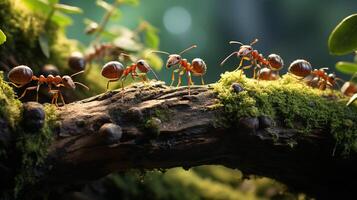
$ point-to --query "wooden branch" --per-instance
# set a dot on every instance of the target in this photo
(189, 134)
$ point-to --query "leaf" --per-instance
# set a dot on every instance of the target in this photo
(37, 6)
(61, 19)
(2, 37)
(127, 44)
(343, 39)
(346, 67)
(154, 60)
(68, 9)
(43, 40)
(129, 2)
(152, 38)
(352, 99)
(103, 4)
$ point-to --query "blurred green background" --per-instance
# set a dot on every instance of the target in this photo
(294, 29)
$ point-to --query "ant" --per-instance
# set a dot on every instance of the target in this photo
(246, 52)
(316, 78)
(22, 75)
(197, 68)
(115, 70)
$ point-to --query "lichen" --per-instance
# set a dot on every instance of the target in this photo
(33, 148)
(291, 102)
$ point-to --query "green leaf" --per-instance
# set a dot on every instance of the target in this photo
(68, 9)
(103, 4)
(129, 2)
(152, 38)
(343, 39)
(61, 19)
(2, 37)
(43, 40)
(37, 6)
(154, 60)
(346, 67)
(352, 99)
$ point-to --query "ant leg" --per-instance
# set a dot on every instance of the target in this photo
(37, 90)
(240, 64)
(13, 84)
(202, 81)
(28, 89)
(61, 96)
(113, 80)
(172, 78)
(189, 80)
(180, 78)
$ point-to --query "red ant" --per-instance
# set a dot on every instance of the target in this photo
(22, 75)
(115, 70)
(316, 78)
(197, 68)
(246, 52)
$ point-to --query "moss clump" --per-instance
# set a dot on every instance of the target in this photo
(33, 148)
(23, 28)
(289, 101)
(152, 127)
(10, 108)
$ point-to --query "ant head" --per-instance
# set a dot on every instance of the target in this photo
(173, 60)
(68, 82)
(244, 51)
(143, 66)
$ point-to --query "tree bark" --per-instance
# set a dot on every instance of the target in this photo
(189, 135)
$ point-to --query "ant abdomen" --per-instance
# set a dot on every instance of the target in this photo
(20, 75)
(112, 70)
(300, 68)
(275, 62)
(199, 67)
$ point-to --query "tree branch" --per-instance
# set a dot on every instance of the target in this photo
(189, 135)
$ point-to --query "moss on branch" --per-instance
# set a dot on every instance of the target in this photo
(291, 102)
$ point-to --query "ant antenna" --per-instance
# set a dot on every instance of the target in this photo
(230, 55)
(81, 84)
(162, 52)
(189, 48)
(236, 42)
(157, 78)
(75, 74)
(254, 41)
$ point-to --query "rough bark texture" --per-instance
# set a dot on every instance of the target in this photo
(189, 135)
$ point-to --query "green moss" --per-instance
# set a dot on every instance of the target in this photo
(290, 101)
(33, 148)
(152, 127)
(22, 28)
(10, 108)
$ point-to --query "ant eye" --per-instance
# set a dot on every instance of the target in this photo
(178, 57)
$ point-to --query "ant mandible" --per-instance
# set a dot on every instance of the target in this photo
(197, 68)
(21, 75)
(246, 52)
(316, 78)
(115, 71)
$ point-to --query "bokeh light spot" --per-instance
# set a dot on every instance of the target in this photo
(177, 20)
